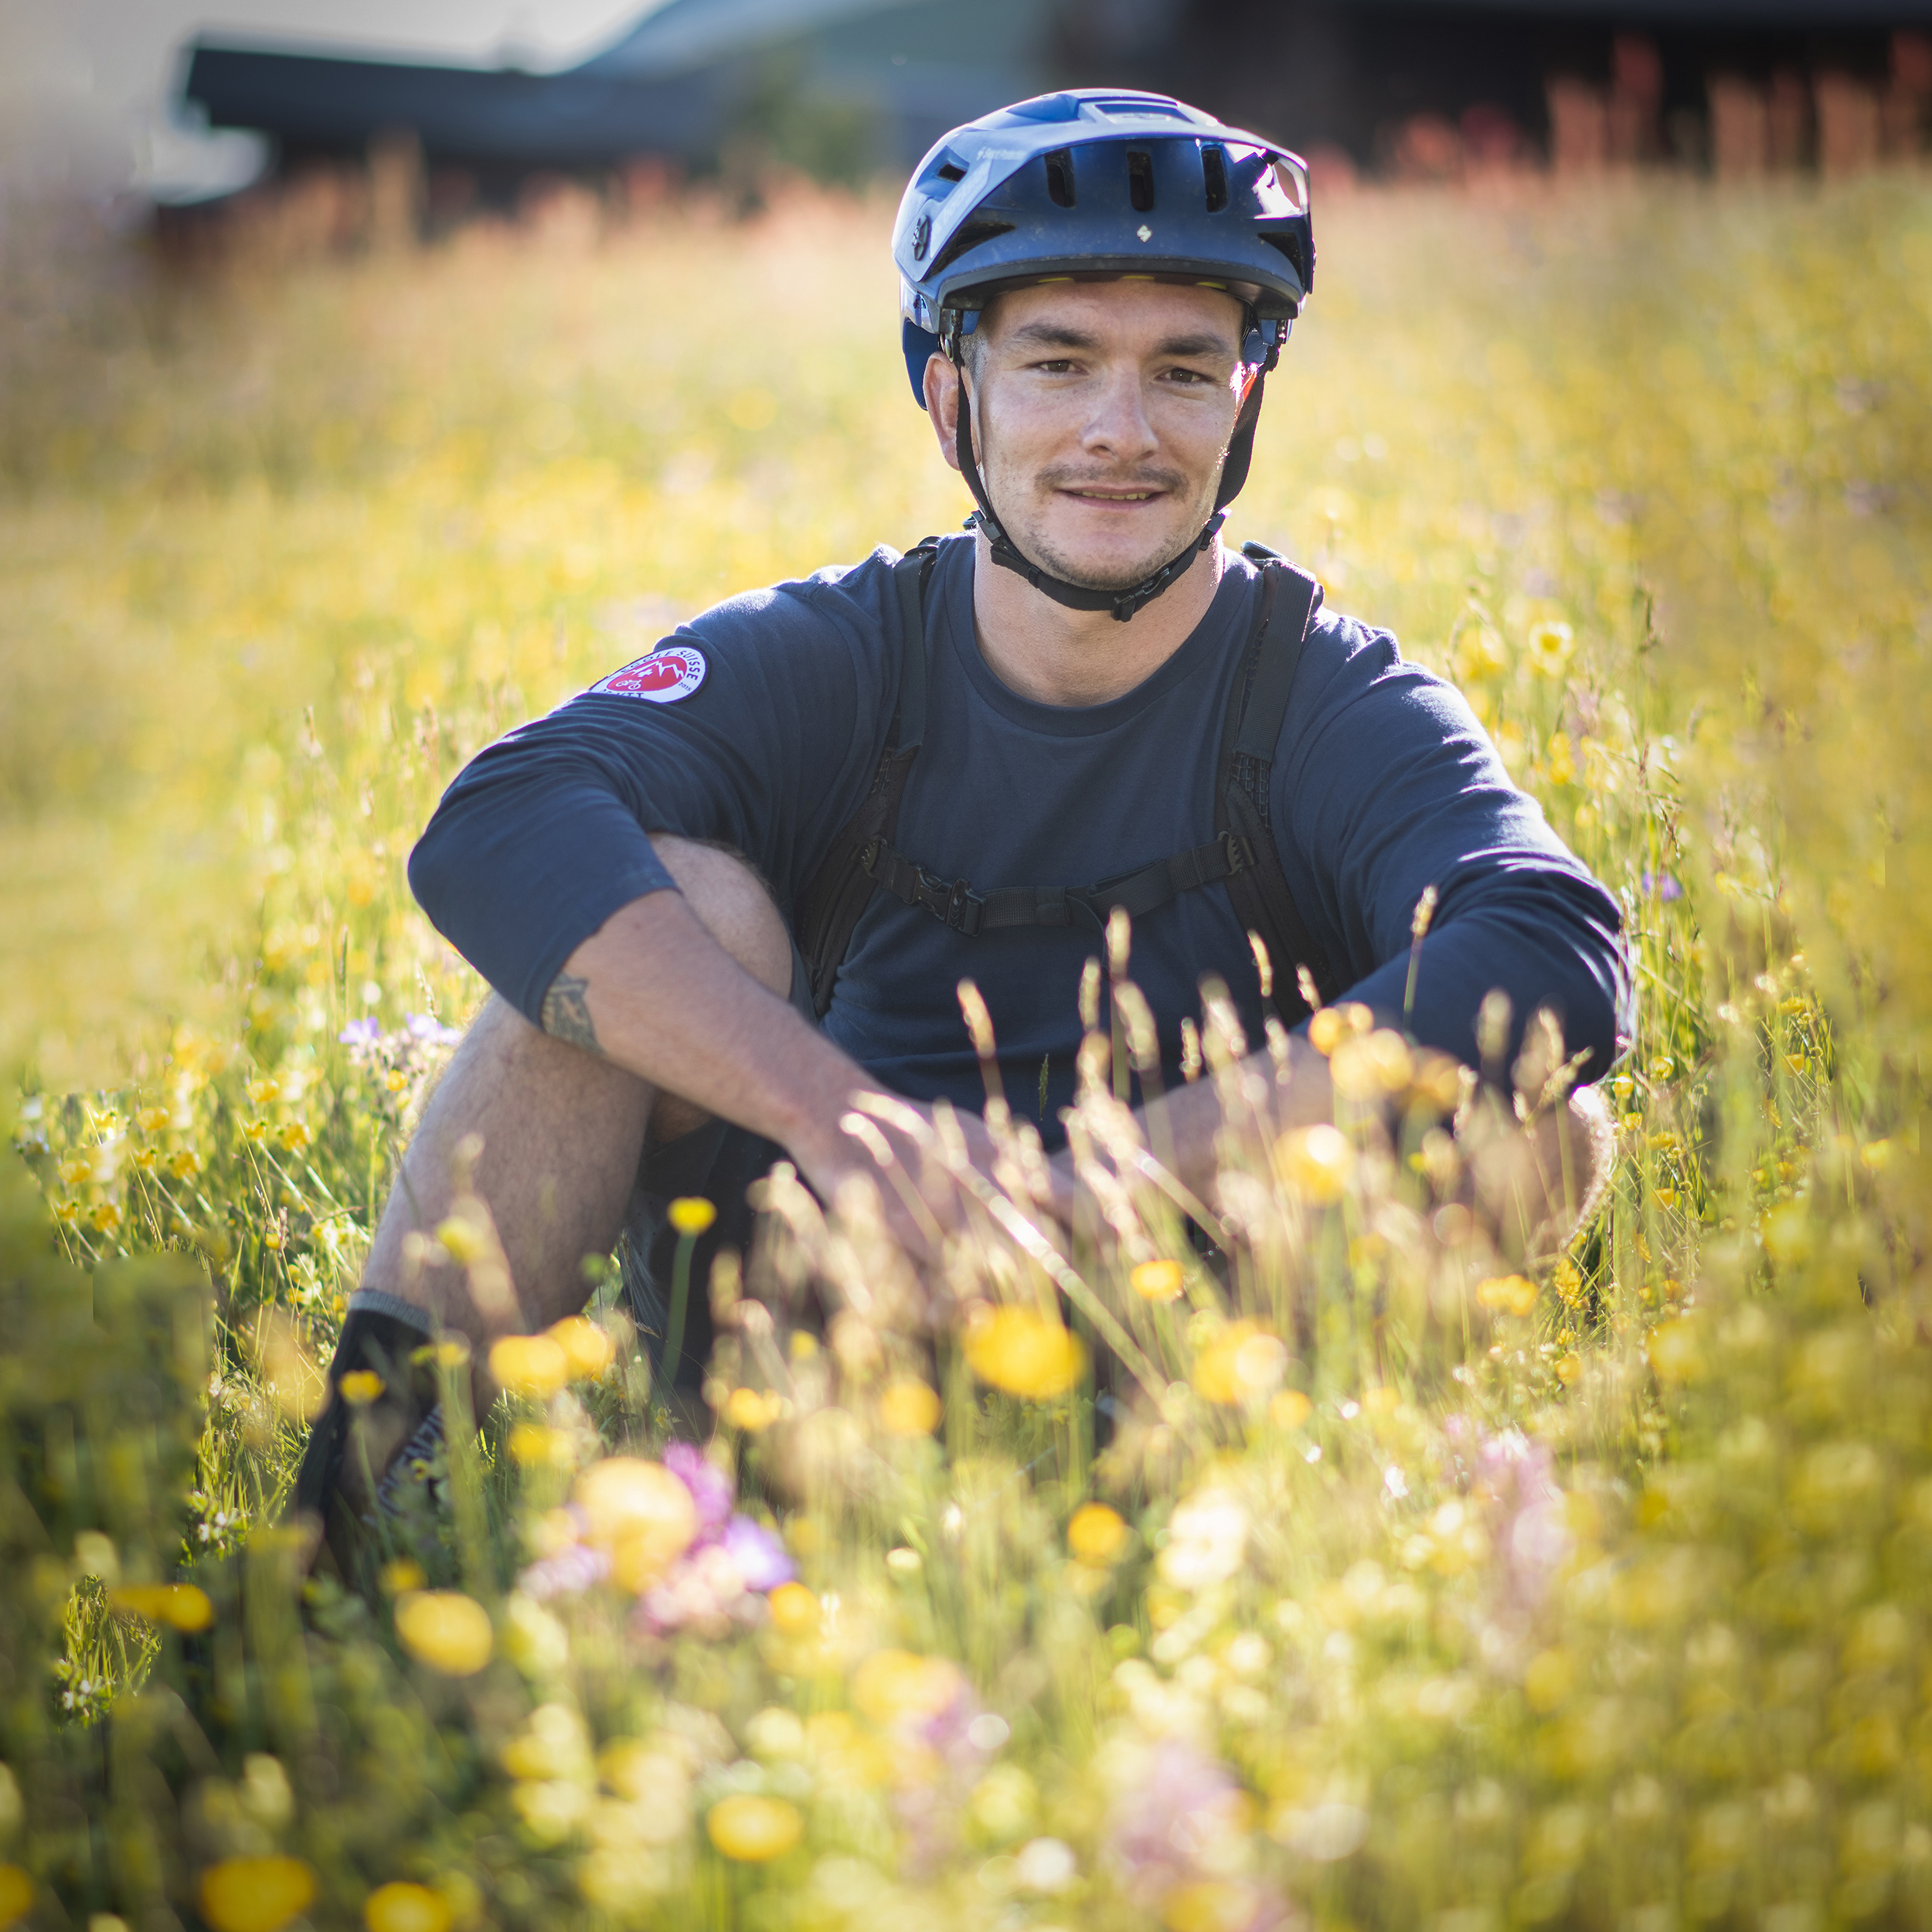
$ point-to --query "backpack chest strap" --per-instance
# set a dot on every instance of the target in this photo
(955, 904)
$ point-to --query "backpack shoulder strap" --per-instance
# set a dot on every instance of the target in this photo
(1257, 704)
(829, 907)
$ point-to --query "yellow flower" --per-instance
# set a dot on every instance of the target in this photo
(179, 1606)
(263, 1090)
(1290, 1409)
(395, 1079)
(255, 1895)
(77, 1171)
(893, 1684)
(1157, 1280)
(16, 1894)
(1316, 1161)
(907, 1407)
(1372, 1064)
(446, 1631)
(531, 1446)
(1667, 1197)
(1025, 1354)
(295, 1136)
(638, 1513)
(1675, 1352)
(361, 1386)
(587, 1348)
(1239, 1363)
(794, 1610)
(1330, 1027)
(462, 1240)
(1211, 1905)
(145, 1160)
(753, 1829)
(400, 1906)
(401, 1576)
(106, 1215)
(1096, 1534)
(151, 1119)
(691, 1216)
(1550, 644)
(529, 1364)
(184, 1163)
(753, 1410)
(1560, 764)
(1509, 1293)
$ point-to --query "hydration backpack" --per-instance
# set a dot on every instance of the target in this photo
(1241, 856)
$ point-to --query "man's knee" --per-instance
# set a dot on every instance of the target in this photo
(734, 904)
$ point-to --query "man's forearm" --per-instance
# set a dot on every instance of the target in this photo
(1185, 1127)
(655, 992)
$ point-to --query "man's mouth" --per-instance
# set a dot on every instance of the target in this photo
(1115, 496)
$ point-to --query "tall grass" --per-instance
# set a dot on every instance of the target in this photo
(1403, 1588)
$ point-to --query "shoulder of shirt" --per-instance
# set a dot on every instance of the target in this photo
(1343, 658)
(843, 594)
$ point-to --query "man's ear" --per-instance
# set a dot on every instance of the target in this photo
(942, 405)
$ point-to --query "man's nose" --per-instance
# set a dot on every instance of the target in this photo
(1119, 425)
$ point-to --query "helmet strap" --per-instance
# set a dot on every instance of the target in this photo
(1124, 604)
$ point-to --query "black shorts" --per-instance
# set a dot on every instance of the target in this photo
(716, 1162)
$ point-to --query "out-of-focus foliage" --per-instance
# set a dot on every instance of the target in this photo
(1398, 1586)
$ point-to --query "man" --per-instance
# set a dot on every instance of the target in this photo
(736, 885)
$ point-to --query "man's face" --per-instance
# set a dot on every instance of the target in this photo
(1102, 416)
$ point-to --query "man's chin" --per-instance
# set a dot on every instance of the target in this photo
(1095, 568)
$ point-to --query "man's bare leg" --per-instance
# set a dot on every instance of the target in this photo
(548, 1135)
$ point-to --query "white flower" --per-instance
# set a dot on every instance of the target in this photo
(1206, 1538)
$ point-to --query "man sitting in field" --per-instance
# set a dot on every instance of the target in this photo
(734, 885)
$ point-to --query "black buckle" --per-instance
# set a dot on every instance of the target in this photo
(953, 901)
(1240, 856)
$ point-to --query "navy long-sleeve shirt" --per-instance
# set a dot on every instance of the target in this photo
(761, 723)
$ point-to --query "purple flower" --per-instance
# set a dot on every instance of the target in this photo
(362, 1033)
(1660, 885)
(710, 1489)
(1532, 1536)
(1160, 1828)
(569, 1573)
(431, 1032)
(759, 1557)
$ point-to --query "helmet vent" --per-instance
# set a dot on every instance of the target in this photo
(951, 170)
(1140, 179)
(1214, 170)
(1060, 177)
(969, 237)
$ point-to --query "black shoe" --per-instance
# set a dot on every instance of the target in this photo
(373, 1467)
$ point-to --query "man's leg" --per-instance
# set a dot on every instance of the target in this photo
(549, 1136)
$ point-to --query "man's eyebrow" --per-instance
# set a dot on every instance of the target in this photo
(1059, 336)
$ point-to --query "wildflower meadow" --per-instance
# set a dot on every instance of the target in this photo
(1386, 1578)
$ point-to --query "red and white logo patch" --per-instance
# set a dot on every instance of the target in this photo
(663, 678)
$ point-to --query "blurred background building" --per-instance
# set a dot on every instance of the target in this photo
(850, 91)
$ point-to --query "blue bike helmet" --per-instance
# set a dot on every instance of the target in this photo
(1100, 184)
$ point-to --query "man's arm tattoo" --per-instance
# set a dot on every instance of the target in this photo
(566, 1014)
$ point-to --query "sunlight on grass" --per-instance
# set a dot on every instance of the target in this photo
(1406, 1583)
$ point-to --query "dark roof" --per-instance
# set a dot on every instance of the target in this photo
(330, 102)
